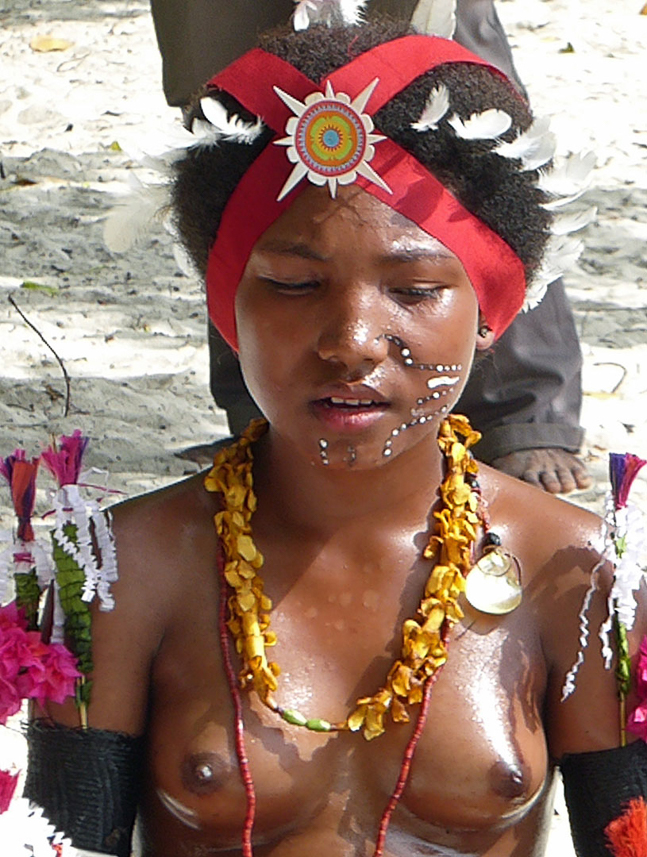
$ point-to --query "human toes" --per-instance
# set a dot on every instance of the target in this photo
(553, 470)
(557, 480)
(582, 476)
(570, 472)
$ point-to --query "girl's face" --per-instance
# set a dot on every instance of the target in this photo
(356, 329)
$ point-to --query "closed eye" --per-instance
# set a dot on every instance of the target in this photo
(286, 287)
(411, 295)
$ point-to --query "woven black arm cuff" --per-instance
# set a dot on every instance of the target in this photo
(88, 781)
(597, 787)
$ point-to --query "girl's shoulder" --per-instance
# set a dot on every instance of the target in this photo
(567, 580)
(545, 529)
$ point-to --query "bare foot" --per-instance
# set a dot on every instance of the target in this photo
(555, 470)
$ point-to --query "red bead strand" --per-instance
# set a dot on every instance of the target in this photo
(407, 758)
(239, 724)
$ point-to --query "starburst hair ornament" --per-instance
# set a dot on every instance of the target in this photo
(337, 151)
(329, 139)
(625, 537)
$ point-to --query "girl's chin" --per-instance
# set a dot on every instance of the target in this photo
(353, 454)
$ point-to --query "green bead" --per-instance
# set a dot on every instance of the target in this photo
(294, 717)
(318, 725)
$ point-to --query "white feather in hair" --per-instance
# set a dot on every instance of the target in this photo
(130, 220)
(570, 178)
(533, 147)
(435, 108)
(562, 201)
(328, 12)
(226, 127)
(567, 223)
(435, 18)
(561, 254)
(487, 125)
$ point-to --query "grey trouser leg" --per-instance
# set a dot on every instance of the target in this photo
(525, 395)
(198, 38)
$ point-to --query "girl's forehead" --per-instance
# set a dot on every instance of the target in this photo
(353, 214)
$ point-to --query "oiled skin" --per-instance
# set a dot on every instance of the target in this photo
(343, 547)
(477, 780)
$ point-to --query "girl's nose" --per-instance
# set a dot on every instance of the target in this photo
(352, 333)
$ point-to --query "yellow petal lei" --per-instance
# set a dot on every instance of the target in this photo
(424, 648)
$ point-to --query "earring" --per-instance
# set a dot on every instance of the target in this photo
(484, 330)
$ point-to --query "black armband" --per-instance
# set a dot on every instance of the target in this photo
(88, 782)
(597, 788)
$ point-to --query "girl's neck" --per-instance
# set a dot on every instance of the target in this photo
(314, 497)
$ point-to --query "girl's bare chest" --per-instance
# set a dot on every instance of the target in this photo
(480, 762)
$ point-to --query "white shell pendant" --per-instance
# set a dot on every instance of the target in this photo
(494, 583)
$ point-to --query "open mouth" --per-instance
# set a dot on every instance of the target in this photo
(351, 405)
(347, 413)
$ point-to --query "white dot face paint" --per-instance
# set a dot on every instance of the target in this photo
(442, 381)
(323, 451)
(440, 384)
(321, 288)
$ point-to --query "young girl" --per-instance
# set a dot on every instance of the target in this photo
(366, 654)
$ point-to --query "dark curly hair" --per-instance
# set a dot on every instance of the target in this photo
(491, 187)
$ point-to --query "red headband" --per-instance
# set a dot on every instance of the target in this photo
(495, 271)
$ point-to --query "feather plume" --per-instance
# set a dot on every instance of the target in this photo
(487, 125)
(574, 221)
(228, 127)
(307, 12)
(131, 220)
(435, 108)
(627, 835)
(562, 201)
(533, 147)
(561, 253)
(571, 176)
(435, 18)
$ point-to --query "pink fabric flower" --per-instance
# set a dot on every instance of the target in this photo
(13, 641)
(10, 700)
(29, 668)
(21, 476)
(8, 783)
(57, 678)
(637, 720)
(65, 463)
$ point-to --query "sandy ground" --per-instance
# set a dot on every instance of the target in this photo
(130, 329)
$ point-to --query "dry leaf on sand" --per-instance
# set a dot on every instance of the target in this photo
(49, 43)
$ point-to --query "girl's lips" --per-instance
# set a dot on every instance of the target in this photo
(343, 414)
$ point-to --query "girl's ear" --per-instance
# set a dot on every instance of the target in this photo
(484, 336)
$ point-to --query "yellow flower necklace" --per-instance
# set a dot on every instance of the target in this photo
(424, 647)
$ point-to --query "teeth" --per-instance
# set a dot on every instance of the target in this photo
(352, 402)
